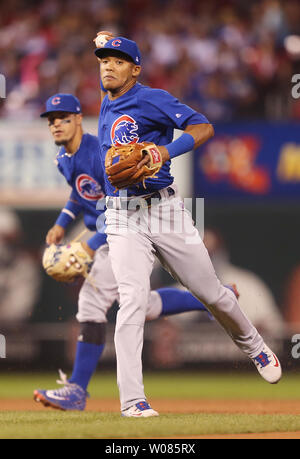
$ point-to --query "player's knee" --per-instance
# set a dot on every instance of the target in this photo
(90, 310)
(134, 298)
(224, 302)
(132, 307)
(92, 333)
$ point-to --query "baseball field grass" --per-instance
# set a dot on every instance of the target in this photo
(191, 405)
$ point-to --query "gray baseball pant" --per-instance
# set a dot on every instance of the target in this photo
(99, 294)
(165, 229)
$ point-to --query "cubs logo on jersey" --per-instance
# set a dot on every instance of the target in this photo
(124, 131)
(88, 188)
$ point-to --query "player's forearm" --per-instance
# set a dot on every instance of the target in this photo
(96, 241)
(200, 133)
(108, 36)
(193, 136)
(69, 213)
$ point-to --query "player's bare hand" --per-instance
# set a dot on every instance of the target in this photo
(164, 154)
(106, 34)
(87, 248)
(55, 235)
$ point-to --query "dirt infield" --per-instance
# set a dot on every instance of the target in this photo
(252, 436)
(291, 407)
(181, 406)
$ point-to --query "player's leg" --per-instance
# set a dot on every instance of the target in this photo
(94, 301)
(90, 346)
(132, 260)
(170, 301)
(95, 298)
(185, 256)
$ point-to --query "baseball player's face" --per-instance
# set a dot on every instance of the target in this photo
(63, 126)
(117, 73)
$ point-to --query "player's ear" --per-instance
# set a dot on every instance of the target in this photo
(136, 71)
(79, 119)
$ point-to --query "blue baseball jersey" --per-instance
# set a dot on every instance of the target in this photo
(84, 173)
(143, 114)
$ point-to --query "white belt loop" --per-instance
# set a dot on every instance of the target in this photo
(117, 203)
(166, 193)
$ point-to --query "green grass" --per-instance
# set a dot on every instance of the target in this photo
(166, 385)
(53, 424)
(93, 425)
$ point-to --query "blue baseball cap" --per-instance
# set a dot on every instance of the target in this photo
(124, 46)
(62, 103)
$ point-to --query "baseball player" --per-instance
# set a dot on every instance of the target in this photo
(79, 161)
(144, 118)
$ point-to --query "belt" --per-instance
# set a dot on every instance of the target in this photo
(141, 202)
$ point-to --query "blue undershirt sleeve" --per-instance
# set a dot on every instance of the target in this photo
(97, 240)
(69, 213)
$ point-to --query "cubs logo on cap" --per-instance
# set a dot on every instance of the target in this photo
(117, 42)
(62, 103)
(55, 100)
(123, 45)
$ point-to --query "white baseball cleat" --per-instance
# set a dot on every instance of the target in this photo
(268, 365)
(140, 410)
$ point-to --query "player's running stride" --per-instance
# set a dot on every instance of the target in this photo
(130, 114)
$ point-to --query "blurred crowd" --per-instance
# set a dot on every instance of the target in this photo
(229, 59)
